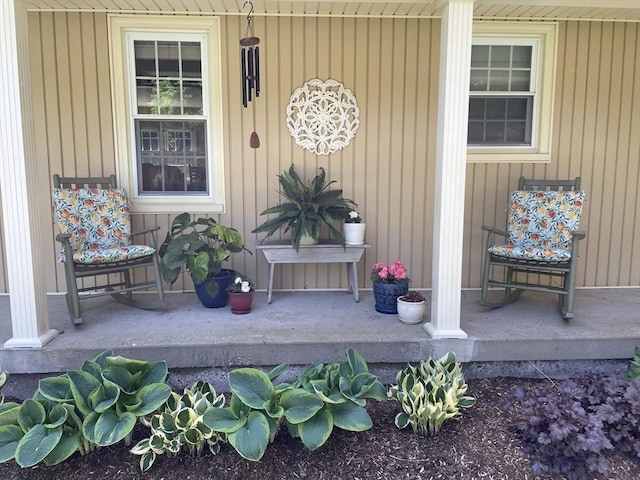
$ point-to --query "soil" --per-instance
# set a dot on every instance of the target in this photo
(483, 444)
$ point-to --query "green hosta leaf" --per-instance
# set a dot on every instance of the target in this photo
(68, 444)
(402, 420)
(252, 386)
(356, 362)
(151, 398)
(10, 436)
(31, 413)
(316, 431)
(223, 420)
(466, 402)
(168, 423)
(37, 444)
(94, 368)
(56, 389)
(147, 461)
(143, 446)
(300, 405)
(154, 372)
(9, 413)
(350, 416)
(108, 428)
(277, 371)
(57, 416)
(252, 439)
(83, 384)
(104, 397)
(119, 376)
(193, 436)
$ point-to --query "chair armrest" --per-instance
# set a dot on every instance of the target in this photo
(579, 235)
(494, 230)
(151, 235)
(64, 239)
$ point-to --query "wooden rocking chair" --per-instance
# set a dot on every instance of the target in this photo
(541, 244)
(95, 232)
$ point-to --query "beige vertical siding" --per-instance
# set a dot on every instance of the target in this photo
(389, 168)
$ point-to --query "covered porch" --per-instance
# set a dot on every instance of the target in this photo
(316, 326)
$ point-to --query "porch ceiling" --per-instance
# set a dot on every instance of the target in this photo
(618, 10)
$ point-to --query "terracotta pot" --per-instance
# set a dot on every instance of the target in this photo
(240, 303)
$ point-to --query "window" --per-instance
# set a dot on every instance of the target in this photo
(511, 92)
(167, 105)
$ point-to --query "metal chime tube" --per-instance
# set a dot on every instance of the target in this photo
(244, 76)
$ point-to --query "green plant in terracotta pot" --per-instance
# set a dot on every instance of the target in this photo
(241, 294)
(307, 207)
(201, 246)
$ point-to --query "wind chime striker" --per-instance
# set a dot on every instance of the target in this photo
(250, 64)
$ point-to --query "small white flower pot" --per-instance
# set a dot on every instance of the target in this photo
(354, 233)
(411, 312)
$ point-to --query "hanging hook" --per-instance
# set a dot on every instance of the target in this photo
(250, 14)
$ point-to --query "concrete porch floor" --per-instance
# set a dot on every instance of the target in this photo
(312, 326)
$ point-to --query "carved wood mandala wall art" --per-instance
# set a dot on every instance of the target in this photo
(323, 117)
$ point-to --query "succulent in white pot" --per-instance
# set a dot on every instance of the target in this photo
(411, 307)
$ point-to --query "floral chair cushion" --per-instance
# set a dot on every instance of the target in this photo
(540, 225)
(99, 223)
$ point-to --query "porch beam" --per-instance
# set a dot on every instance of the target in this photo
(451, 152)
(22, 236)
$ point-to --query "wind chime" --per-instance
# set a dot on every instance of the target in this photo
(250, 64)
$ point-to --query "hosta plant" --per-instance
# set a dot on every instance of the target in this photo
(323, 397)
(179, 426)
(257, 408)
(4, 376)
(633, 370)
(95, 406)
(344, 389)
(430, 393)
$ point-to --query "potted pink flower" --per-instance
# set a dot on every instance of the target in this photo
(389, 283)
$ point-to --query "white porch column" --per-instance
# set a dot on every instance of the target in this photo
(29, 317)
(453, 111)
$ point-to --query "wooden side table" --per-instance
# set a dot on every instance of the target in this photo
(324, 252)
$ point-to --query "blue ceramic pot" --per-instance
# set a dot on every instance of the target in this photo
(386, 295)
(212, 293)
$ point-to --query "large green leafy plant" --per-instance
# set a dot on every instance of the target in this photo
(96, 406)
(201, 246)
(430, 394)
(322, 398)
(307, 207)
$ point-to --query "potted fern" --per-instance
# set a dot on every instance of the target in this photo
(306, 207)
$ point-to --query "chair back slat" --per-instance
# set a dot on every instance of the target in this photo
(84, 182)
(548, 185)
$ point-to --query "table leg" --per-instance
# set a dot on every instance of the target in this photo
(353, 280)
(270, 287)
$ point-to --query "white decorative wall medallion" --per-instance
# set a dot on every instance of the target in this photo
(323, 117)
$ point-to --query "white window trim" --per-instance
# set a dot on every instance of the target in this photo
(119, 26)
(545, 71)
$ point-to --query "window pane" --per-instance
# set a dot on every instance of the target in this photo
(515, 132)
(476, 133)
(494, 133)
(517, 108)
(499, 81)
(476, 108)
(168, 59)
(479, 80)
(191, 66)
(495, 108)
(171, 156)
(520, 80)
(500, 56)
(145, 58)
(521, 57)
(480, 56)
(165, 98)
(192, 98)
